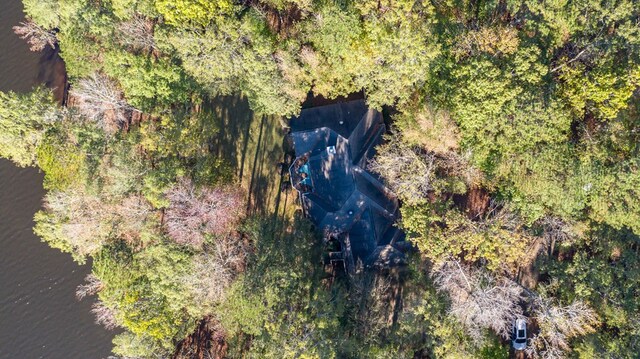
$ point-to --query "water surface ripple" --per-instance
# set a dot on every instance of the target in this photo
(39, 316)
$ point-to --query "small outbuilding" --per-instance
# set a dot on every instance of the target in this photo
(350, 205)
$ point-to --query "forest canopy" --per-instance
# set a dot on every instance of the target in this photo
(513, 148)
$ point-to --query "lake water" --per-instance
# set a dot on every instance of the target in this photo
(39, 315)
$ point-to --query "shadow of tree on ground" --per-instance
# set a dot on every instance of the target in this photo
(253, 145)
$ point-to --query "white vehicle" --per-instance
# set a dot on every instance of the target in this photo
(519, 341)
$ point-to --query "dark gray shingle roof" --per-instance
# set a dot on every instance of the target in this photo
(335, 142)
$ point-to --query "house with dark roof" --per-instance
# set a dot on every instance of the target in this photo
(350, 205)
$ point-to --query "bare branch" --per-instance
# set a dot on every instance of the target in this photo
(194, 213)
(556, 230)
(100, 100)
(376, 307)
(215, 270)
(91, 287)
(558, 324)
(104, 315)
(81, 219)
(137, 33)
(407, 170)
(87, 221)
(570, 61)
(479, 300)
(37, 37)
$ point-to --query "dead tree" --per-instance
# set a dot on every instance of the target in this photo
(37, 37)
(194, 213)
(557, 325)
(479, 300)
(407, 170)
(100, 99)
(374, 315)
(137, 33)
(84, 220)
(91, 286)
(215, 270)
(132, 213)
(105, 316)
(555, 230)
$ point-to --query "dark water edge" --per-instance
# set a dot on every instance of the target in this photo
(39, 315)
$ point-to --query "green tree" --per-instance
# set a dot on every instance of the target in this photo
(148, 84)
(603, 273)
(24, 120)
(278, 301)
(240, 55)
(145, 290)
(193, 12)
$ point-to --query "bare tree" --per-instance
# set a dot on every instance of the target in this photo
(132, 213)
(480, 300)
(105, 316)
(458, 165)
(556, 230)
(79, 219)
(494, 40)
(557, 325)
(194, 213)
(377, 302)
(37, 37)
(215, 270)
(309, 57)
(86, 221)
(499, 214)
(100, 99)
(137, 33)
(408, 170)
(91, 287)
